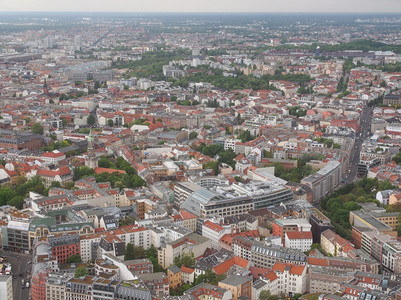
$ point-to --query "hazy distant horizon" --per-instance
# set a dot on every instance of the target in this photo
(383, 13)
(205, 6)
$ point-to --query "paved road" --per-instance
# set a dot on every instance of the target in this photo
(363, 133)
(19, 265)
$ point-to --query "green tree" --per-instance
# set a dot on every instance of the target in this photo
(91, 120)
(266, 295)
(17, 202)
(104, 162)
(6, 194)
(76, 258)
(110, 123)
(65, 122)
(352, 205)
(81, 172)
(129, 253)
(210, 277)
(214, 165)
(20, 180)
(37, 128)
(212, 150)
(246, 136)
(183, 288)
(35, 184)
(187, 259)
(267, 154)
(137, 181)
(227, 157)
(68, 185)
(127, 221)
(55, 184)
(386, 185)
(318, 247)
(122, 164)
(397, 158)
(139, 252)
(151, 254)
(193, 135)
(80, 271)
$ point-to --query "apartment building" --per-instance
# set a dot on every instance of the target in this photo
(79, 288)
(292, 278)
(298, 240)
(345, 264)
(387, 250)
(265, 256)
(64, 246)
(89, 244)
(174, 275)
(6, 287)
(192, 242)
(325, 180)
(186, 220)
(214, 232)
(282, 226)
(209, 292)
(326, 279)
(268, 282)
(55, 286)
(335, 245)
(157, 283)
(240, 286)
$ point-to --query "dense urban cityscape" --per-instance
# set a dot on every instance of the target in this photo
(200, 156)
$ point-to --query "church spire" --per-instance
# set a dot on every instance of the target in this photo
(91, 160)
(45, 88)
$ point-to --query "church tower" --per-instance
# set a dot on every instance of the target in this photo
(45, 88)
(91, 160)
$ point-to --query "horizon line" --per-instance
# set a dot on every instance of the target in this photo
(211, 12)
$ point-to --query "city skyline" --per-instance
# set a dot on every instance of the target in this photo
(352, 6)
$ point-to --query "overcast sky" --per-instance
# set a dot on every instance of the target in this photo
(203, 5)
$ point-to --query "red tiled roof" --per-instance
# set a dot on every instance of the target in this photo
(299, 235)
(294, 269)
(53, 154)
(227, 238)
(213, 226)
(225, 266)
(62, 171)
(271, 276)
(187, 215)
(185, 269)
(99, 170)
(258, 272)
(318, 261)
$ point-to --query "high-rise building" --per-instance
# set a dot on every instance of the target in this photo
(48, 42)
(195, 52)
(78, 43)
(6, 287)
